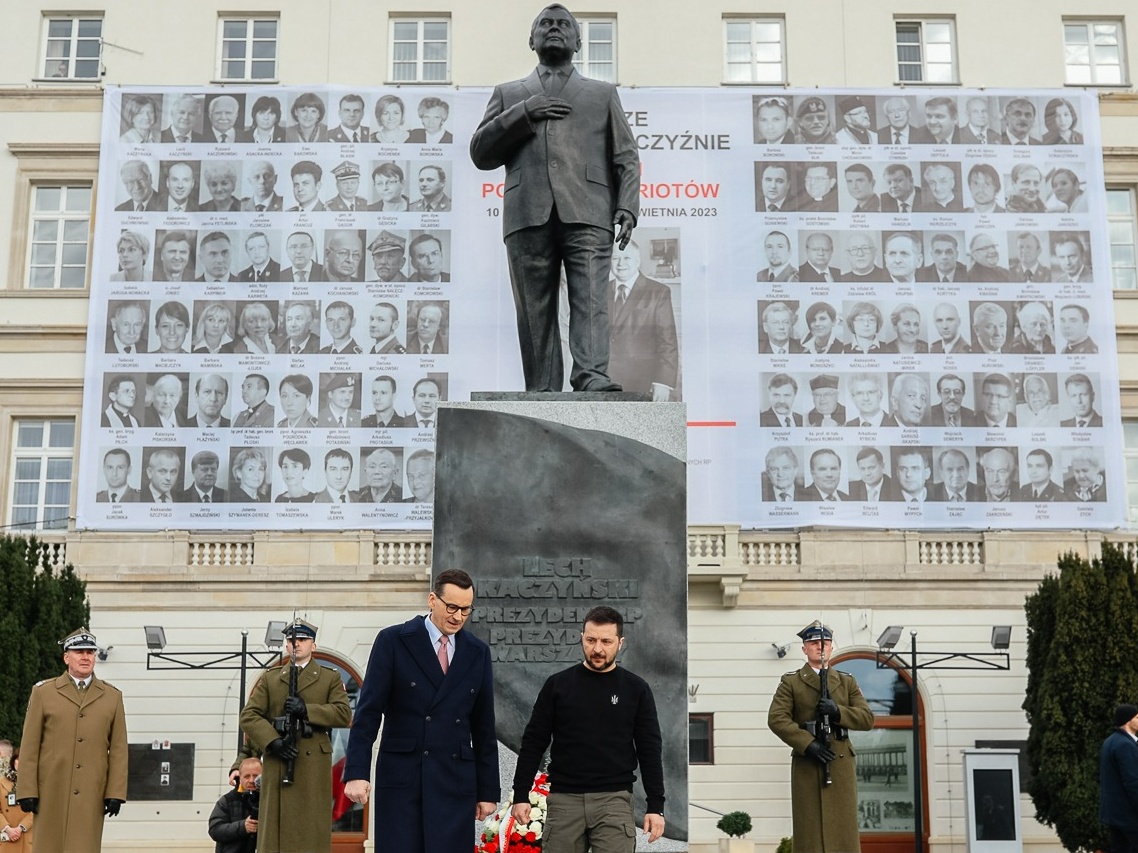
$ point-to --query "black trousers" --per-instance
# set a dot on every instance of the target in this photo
(536, 256)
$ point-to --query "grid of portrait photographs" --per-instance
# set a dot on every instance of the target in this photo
(934, 342)
(915, 282)
(271, 308)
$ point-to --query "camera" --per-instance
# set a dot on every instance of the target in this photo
(253, 801)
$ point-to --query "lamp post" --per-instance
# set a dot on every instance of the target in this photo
(886, 658)
(158, 659)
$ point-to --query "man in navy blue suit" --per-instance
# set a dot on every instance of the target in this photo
(425, 669)
(1118, 781)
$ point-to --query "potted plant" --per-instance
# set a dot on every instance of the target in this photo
(735, 825)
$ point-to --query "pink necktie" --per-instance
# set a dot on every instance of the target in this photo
(443, 662)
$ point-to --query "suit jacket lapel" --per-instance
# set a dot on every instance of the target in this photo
(309, 675)
(573, 85)
(639, 292)
(65, 685)
(533, 83)
(462, 661)
(418, 644)
(94, 692)
(812, 678)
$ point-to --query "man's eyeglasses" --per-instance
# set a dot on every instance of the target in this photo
(454, 608)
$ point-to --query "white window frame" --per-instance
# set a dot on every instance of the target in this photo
(250, 41)
(583, 60)
(74, 40)
(931, 70)
(1130, 457)
(420, 61)
(45, 453)
(754, 62)
(1127, 222)
(1096, 72)
(63, 217)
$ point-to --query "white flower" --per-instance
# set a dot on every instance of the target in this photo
(536, 827)
(535, 798)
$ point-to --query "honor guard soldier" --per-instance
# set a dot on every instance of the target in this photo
(823, 778)
(73, 754)
(289, 717)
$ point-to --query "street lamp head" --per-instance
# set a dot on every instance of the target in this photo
(274, 635)
(889, 637)
(155, 637)
(779, 650)
(1001, 637)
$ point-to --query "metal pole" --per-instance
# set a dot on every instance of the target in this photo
(918, 805)
(241, 695)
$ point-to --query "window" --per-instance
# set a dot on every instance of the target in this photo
(701, 738)
(754, 51)
(41, 481)
(926, 51)
(597, 57)
(247, 49)
(73, 48)
(1093, 52)
(420, 50)
(1130, 452)
(59, 228)
(1122, 223)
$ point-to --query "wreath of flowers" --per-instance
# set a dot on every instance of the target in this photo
(502, 834)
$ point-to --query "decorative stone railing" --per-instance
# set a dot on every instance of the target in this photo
(723, 555)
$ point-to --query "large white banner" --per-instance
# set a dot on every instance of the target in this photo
(882, 309)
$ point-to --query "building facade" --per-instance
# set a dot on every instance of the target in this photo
(750, 591)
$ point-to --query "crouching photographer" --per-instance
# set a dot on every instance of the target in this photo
(233, 822)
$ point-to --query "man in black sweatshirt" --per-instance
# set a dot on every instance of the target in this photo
(602, 721)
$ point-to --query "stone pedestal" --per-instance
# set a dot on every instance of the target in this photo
(556, 507)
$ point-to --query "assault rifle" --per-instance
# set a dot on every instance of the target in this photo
(291, 726)
(822, 729)
(821, 726)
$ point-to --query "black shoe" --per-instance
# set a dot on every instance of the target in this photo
(602, 386)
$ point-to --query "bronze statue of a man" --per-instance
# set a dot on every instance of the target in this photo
(572, 178)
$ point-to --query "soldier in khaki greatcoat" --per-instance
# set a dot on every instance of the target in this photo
(296, 818)
(825, 816)
(73, 753)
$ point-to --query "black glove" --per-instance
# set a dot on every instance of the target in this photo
(282, 749)
(830, 708)
(30, 805)
(111, 806)
(820, 753)
(295, 707)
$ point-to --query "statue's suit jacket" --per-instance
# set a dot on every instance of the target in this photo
(586, 163)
